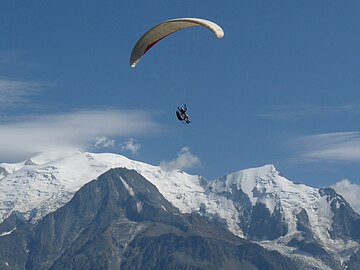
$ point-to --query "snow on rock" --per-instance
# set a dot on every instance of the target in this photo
(48, 181)
(8, 168)
(257, 183)
(265, 185)
(307, 262)
(7, 233)
(129, 189)
(52, 180)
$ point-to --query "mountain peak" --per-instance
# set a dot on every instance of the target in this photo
(265, 170)
(257, 203)
(247, 179)
(268, 168)
(122, 221)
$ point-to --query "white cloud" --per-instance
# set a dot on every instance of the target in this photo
(130, 145)
(25, 135)
(15, 92)
(350, 192)
(104, 142)
(341, 146)
(185, 159)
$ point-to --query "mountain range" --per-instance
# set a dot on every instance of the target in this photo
(104, 211)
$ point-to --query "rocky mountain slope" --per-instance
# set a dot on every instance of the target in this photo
(121, 221)
(318, 222)
(312, 226)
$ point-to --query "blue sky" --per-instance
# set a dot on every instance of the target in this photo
(281, 87)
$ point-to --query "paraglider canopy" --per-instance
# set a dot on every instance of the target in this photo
(162, 30)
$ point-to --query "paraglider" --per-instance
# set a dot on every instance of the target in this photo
(182, 115)
(166, 28)
(161, 31)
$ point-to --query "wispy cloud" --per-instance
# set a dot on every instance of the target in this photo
(20, 136)
(16, 92)
(104, 142)
(130, 145)
(185, 159)
(341, 146)
(298, 111)
(350, 192)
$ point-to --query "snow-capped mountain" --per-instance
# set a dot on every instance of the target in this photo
(270, 207)
(258, 204)
(50, 182)
(277, 195)
(122, 221)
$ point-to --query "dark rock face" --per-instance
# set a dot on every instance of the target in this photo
(356, 230)
(256, 222)
(314, 249)
(302, 224)
(15, 220)
(3, 172)
(345, 220)
(243, 206)
(178, 252)
(345, 226)
(354, 261)
(264, 225)
(121, 221)
(30, 163)
(309, 244)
